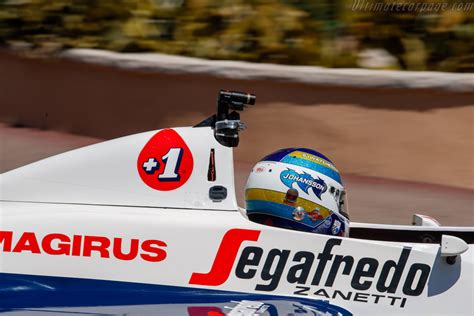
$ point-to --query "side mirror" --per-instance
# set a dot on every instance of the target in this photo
(451, 247)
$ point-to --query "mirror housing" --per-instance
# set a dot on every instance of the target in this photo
(451, 247)
(424, 220)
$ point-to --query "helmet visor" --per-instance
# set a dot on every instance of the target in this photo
(342, 204)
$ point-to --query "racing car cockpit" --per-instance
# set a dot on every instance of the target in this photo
(292, 188)
(301, 189)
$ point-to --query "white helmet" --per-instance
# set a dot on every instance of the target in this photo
(299, 189)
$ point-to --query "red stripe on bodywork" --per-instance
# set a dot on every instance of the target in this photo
(225, 257)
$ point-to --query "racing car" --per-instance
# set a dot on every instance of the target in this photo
(149, 224)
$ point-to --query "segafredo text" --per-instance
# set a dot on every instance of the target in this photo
(366, 280)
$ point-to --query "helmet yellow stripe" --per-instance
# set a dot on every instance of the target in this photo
(279, 197)
(313, 158)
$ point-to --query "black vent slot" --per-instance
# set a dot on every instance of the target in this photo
(217, 193)
(211, 171)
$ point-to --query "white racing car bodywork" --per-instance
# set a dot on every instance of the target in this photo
(87, 232)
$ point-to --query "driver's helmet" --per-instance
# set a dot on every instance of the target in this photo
(298, 189)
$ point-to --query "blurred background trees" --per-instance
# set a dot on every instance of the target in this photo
(327, 33)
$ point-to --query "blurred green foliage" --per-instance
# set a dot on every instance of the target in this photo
(309, 32)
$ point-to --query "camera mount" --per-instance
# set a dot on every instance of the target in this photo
(226, 123)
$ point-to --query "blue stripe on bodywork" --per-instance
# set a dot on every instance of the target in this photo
(19, 292)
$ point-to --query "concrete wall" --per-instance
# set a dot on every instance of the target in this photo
(412, 134)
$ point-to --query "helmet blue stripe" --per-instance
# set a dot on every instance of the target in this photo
(283, 155)
(284, 212)
(278, 155)
(313, 166)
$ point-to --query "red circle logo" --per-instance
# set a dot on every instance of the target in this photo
(165, 163)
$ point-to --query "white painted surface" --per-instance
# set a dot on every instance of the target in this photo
(96, 191)
(106, 174)
(193, 237)
(452, 246)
